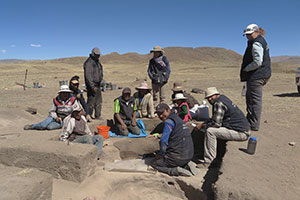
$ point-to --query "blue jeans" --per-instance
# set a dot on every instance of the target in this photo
(96, 140)
(49, 123)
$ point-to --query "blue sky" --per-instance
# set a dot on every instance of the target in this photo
(46, 29)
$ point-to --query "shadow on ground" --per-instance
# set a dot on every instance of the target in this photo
(293, 94)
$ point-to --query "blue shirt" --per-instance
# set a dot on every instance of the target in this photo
(164, 141)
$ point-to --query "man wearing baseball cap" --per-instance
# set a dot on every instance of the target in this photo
(176, 145)
(125, 113)
(228, 122)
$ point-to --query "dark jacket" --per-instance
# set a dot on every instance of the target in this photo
(93, 73)
(180, 144)
(126, 111)
(234, 118)
(157, 73)
(262, 72)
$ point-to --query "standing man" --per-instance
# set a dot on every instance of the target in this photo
(256, 71)
(93, 75)
(228, 122)
(159, 73)
(176, 145)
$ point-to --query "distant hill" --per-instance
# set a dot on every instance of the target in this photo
(290, 59)
(288, 64)
(10, 60)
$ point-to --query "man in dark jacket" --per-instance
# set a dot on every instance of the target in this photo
(93, 75)
(176, 145)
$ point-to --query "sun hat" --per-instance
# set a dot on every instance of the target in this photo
(64, 88)
(74, 81)
(179, 96)
(177, 86)
(143, 86)
(250, 29)
(96, 51)
(77, 107)
(157, 48)
(160, 108)
(126, 90)
(210, 92)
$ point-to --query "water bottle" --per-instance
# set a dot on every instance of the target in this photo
(251, 145)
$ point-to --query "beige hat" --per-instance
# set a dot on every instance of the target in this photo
(96, 51)
(177, 86)
(157, 48)
(179, 96)
(143, 86)
(77, 107)
(64, 88)
(210, 92)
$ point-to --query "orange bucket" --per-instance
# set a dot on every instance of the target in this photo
(104, 131)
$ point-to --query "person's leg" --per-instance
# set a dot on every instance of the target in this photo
(168, 166)
(91, 98)
(54, 125)
(254, 103)
(155, 90)
(43, 125)
(86, 139)
(98, 104)
(134, 130)
(162, 93)
(210, 141)
(98, 141)
(121, 131)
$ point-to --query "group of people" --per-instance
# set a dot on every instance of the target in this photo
(70, 111)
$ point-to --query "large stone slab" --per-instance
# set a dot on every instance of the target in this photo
(24, 184)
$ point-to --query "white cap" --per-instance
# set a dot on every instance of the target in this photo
(64, 88)
(250, 29)
(179, 96)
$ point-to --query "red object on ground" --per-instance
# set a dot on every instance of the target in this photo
(104, 131)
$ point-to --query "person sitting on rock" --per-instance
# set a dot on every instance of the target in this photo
(62, 106)
(74, 86)
(182, 108)
(125, 113)
(176, 145)
(228, 122)
(144, 101)
(75, 129)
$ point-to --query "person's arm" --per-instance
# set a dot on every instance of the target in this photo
(164, 141)
(218, 115)
(168, 67)
(52, 111)
(86, 127)
(150, 71)
(88, 74)
(117, 113)
(258, 55)
(67, 128)
(151, 107)
(134, 115)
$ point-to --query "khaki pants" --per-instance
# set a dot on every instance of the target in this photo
(161, 89)
(210, 141)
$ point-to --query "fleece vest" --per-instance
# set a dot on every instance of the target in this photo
(126, 111)
(234, 118)
(180, 144)
(264, 71)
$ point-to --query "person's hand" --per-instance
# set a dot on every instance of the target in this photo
(59, 119)
(124, 127)
(133, 123)
(199, 125)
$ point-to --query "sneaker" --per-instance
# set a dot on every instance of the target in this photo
(28, 127)
(184, 172)
(193, 168)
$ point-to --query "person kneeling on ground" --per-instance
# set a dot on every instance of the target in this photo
(182, 108)
(228, 122)
(144, 101)
(176, 145)
(125, 113)
(61, 107)
(76, 129)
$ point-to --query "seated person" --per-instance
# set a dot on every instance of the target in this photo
(62, 106)
(125, 113)
(182, 108)
(76, 129)
(144, 101)
(176, 145)
(74, 86)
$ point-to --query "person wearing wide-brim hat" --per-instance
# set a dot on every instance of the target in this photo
(159, 73)
(255, 71)
(182, 107)
(144, 101)
(228, 122)
(62, 106)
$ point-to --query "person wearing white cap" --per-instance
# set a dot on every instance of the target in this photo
(61, 107)
(183, 109)
(159, 73)
(228, 122)
(255, 71)
(144, 101)
(93, 76)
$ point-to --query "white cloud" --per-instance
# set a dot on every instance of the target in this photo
(3, 51)
(35, 45)
(12, 45)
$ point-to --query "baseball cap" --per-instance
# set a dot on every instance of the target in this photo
(96, 51)
(160, 108)
(126, 90)
(250, 29)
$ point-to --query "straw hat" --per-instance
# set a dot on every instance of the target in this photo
(64, 88)
(179, 96)
(157, 48)
(143, 86)
(210, 92)
(177, 86)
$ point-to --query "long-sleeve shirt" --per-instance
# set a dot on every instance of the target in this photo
(164, 141)
(258, 55)
(219, 110)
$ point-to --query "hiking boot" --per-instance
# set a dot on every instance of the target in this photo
(28, 127)
(183, 172)
(193, 168)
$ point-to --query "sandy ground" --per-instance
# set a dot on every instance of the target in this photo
(274, 157)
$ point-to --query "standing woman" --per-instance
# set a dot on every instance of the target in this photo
(255, 71)
(159, 72)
